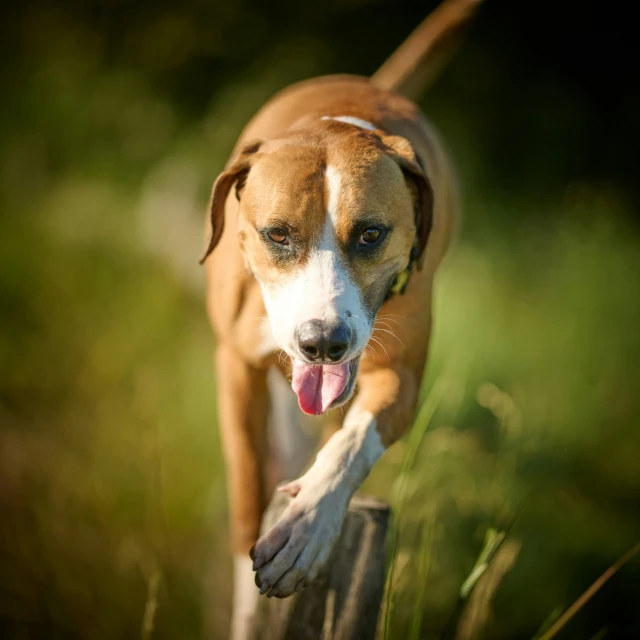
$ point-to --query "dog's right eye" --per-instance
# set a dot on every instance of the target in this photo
(279, 236)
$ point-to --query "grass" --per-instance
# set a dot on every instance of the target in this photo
(113, 476)
(524, 440)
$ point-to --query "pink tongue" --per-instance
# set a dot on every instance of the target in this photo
(317, 386)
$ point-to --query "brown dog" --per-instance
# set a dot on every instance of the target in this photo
(331, 216)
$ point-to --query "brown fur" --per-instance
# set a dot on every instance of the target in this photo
(400, 167)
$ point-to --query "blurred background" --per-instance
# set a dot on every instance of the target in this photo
(116, 117)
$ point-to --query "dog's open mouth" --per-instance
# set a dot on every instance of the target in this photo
(319, 387)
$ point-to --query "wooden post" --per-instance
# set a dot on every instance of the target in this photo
(344, 603)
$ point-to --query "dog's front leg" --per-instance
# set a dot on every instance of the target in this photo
(296, 549)
(243, 405)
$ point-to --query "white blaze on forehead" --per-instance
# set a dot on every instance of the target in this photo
(321, 289)
(356, 122)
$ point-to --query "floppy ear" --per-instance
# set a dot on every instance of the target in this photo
(235, 173)
(402, 152)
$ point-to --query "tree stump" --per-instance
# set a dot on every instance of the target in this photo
(344, 603)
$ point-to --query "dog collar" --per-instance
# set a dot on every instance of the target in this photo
(401, 281)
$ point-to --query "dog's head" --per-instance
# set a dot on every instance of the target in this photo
(329, 216)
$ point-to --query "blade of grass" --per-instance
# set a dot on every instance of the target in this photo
(589, 593)
(425, 415)
(151, 606)
(549, 620)
(425, 565)
(492, 542)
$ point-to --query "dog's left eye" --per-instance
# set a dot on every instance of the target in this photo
(279, 236)
(370, 236)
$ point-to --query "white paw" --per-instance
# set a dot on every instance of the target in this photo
(293, 553)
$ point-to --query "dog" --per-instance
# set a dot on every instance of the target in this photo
(325, 231)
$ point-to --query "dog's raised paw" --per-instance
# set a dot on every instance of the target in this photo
(293, 553)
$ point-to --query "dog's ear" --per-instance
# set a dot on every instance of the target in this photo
(235, 173)
(402, 152)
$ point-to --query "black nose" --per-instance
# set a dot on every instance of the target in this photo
(322, 341)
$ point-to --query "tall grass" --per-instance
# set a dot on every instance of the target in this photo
(534, 438)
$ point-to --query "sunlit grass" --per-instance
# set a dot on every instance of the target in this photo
(528, 407)
(527, 426)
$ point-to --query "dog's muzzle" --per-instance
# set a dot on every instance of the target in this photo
(322, 378)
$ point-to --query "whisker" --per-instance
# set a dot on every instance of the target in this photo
(388, 318)
(384, 324)
(381, 345)
(257, 318)
(390, 333)
(388, 330)
(371, 350)
(393, 315)
(282, 357)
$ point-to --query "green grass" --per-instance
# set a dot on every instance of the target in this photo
(528, 427)
(113, 475)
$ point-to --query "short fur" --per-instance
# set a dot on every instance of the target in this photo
(304, 165)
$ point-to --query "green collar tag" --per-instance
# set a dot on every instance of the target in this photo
(401, 281)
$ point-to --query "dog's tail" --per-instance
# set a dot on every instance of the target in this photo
(422, 56)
